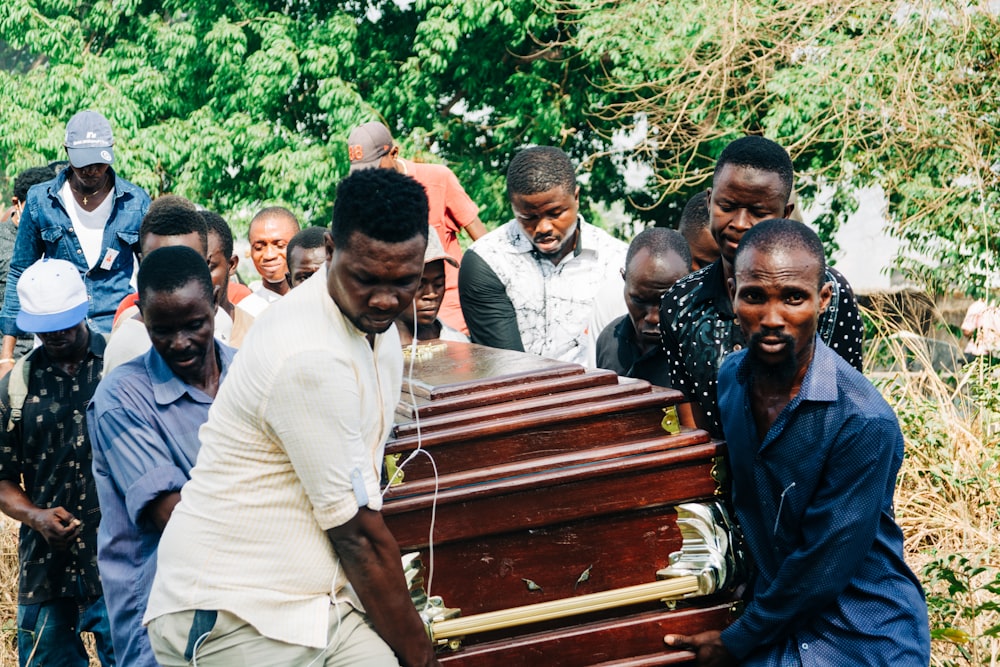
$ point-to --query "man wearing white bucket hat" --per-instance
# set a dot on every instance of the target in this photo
(44, 442)
(87, 215)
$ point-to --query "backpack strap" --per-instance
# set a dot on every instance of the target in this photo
(17, 390)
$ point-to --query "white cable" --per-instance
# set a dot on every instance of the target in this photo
(197, 645)
(336, 610)
(419, 450)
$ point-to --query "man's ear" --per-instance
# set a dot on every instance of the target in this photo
(825, 295)
(789, 207)
(731, 288)
(216, 295)
(234, 261)
(288, 279)
(328, 244)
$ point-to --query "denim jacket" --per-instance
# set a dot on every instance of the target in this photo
(45, 230)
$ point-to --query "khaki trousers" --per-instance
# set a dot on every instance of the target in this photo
(221, 639)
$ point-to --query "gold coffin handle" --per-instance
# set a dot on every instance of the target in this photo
(548, 611)
(705, 564)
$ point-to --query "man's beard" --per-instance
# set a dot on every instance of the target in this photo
(781, 372)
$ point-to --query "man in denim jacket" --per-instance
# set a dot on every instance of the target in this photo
(87, 215)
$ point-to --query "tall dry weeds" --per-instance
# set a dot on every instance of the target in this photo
(8, 591)
(947, 493)
(947, 496)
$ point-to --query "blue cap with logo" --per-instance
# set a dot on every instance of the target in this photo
(89, 140)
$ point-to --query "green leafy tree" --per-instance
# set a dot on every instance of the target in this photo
(903, 96)
(239, 104)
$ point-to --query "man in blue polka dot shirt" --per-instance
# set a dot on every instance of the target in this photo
(814, 451)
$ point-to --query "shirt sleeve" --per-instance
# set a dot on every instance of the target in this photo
(28, 249)
(315, 413)
(676, 370)
(848, 330)
(486, 307)
(138, 459)
(607, 349)
(838, 529)
(10, 450)
(458, 205)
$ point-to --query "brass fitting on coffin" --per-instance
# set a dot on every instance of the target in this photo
(705, 564)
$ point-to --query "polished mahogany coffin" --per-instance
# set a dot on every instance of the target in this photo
(543, 500)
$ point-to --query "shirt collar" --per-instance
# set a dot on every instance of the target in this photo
(521, 244)
(97, 343)
(713, 288)
(168, 388)
(95, 347)
(816, 385)
(820, 384)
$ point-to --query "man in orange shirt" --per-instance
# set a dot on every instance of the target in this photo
(451, 210)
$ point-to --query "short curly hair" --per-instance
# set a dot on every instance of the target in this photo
(29, 177)
(171, 268)
(173, 215)
(781, 234)
(761, 154)
(382, 204)
(540, 169)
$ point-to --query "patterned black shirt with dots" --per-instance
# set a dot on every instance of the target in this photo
(699, 330)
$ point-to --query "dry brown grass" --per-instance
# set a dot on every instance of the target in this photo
(947, 494)
(8, 596)
(8, 591)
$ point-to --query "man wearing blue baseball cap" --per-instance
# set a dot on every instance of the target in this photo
(46, 475)
(86, 215)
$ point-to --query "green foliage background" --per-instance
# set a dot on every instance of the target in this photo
(238, 104)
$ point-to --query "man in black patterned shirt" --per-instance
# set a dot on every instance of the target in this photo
(752, 182)
(44, 442)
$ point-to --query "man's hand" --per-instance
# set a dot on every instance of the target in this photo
(370, 558)
(59, 528)
(707, 646)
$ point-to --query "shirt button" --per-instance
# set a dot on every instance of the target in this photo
(79, 252)
(805, 646)
(737, 347)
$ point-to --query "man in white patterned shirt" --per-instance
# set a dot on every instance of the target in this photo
(283, 507)
(529, 285)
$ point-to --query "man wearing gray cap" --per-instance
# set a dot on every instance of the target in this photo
(451, 210)
(88, 216)
(46, 476)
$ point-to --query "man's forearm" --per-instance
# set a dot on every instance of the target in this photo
(370, 558)
(7, 354)
(15, 503)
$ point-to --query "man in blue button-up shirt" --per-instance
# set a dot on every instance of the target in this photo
(814, 451)
(87, 215)
(143, 424)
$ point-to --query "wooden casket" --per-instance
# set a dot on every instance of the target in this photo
(539, 503)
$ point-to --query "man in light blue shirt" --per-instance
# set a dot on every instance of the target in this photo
(144, 423)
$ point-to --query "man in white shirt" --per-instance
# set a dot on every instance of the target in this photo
(170, 221)
(529, 285)
(283, 507)
(269, 233)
